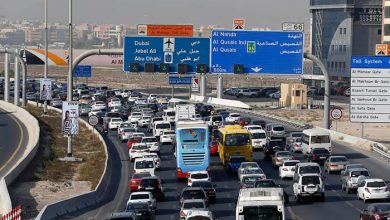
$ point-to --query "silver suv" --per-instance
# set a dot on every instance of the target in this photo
(309, 186)
(246, 93)
(275, 131)
(351, 177)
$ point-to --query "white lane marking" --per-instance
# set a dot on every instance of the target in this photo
(293, 215)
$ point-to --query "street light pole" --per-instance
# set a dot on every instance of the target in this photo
(46, 52)
(70, 72)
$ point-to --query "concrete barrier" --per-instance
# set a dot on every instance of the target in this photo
(85, 200)
(222, 102)
(33, 131)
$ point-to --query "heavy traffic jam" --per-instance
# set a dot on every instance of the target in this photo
(196, 133)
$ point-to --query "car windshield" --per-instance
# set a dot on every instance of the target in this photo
(163, 126)
(383, 207)
(235, 115)
(320, 139)
(203, 184)
(251, 179)
(193, 205)
(376, 184)
(140, 175)
(136, 114)
(170, 113)
(193, 194)
(298, 139)
(296, 135)
(149, 183)
(145, 164)
(149, 140)
(198, 218)
(169, 132)
(128, 130)
(199, 176)
(237, 139)
(116, 119)
(140, 147)
(139, 196)
(338, 159)
(283, 154)
(217, 118)
(306, 180)
(137, 206)
(278, 128)
(253, 171)
(309, 169)
(290, 163)
(320, 151)
(359, 173)
(237, 159)
(265, 183)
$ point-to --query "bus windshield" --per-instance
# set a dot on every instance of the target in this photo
(262, 212)
(191, 137)
(320, 139)
(237, 139)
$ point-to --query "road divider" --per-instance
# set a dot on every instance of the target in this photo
(30, 150)
(85, 200)
(217, 101)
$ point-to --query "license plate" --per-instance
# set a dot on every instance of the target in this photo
(139, 213)
(322, 157)
(149, 188)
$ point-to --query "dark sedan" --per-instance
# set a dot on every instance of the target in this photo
(318, 155)
(208, 188)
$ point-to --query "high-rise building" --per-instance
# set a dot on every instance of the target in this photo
(386, 22)
(344, 28)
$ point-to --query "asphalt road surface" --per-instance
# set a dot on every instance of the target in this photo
(337, 205)
(13, 139)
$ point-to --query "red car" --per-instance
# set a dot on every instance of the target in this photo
(213, 148)
(379, 211)
(132, 141)
(244, 121)
(135, 180)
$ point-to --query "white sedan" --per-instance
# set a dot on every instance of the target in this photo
(152, 143)
(146, 197)
(251, 171)
(145, 120)
(233, 117)
(167, 136)
(287, 169)
(114, 103)
(114, 123)
(373, 189)
(195, 176)
(137, 151)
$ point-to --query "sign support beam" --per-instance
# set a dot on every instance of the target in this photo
(202, 85)
(327, 88)
(6, 77)
(219, 87)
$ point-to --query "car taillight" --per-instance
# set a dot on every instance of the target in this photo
(263, 177)
(292, 157)
(244, 186)
(386, 188)
(333, 165)
(178, 169)
(377, 217)
(189, 180)
(133, 151)
(158, 160)
(278, 159)
(182, 214)
(367, 190)
(285, 169)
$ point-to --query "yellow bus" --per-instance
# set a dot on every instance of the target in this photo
(234, 140)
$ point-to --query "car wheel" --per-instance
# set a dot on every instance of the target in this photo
(298, 198)
(347, 190)
(322, 198)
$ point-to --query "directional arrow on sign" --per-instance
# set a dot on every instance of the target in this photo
(256, 69)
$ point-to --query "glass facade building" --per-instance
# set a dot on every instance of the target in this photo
(344, 28)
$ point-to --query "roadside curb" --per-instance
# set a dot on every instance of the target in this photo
(33, 131)
(66, 206)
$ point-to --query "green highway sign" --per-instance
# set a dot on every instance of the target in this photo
(251, 47)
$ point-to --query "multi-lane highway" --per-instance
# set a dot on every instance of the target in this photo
(337, 205)
(13, 138)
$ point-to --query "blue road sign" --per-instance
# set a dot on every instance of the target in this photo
(175, 80)
(372, 62)
(83, 71)
(262, 52)
(169, 50)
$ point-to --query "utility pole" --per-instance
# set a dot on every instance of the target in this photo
(70, 73)
(46, 53)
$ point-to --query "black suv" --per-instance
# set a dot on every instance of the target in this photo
(206, 110)
(272, 147)
(318, 155)
(153, 184)
(141, 209)
(193, 193)
(208, 188)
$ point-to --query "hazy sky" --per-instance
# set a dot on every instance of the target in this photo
(258, 13)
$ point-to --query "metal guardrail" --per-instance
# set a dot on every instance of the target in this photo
(377, 149)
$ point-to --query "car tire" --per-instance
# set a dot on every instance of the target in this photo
(347, 190)
(298, 198)
(322, 198)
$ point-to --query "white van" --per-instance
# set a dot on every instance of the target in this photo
(169, 115)
(315, 138)
(260, 203)
(145, 165)
(259, 138)
(160, 127)
(174, 101)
